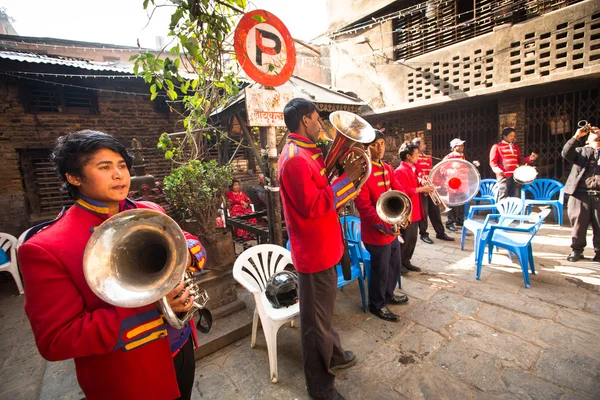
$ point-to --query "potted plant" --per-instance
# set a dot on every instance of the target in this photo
(196, 190)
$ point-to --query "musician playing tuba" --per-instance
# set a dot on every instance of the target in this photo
(119, 352)
(309, 203)
(378, 236)
(407, 176)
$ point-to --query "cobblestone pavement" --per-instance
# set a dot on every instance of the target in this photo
(458, 338)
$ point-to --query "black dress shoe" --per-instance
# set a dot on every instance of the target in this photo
(451, 228)
(399, 299)
(403, 271)
(575, 256)
(349, 360)
(445, 237)
(426, 239)
(411, 267)
(385, 314)
(596, 258)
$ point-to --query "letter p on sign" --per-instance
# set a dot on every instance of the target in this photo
(264, 48)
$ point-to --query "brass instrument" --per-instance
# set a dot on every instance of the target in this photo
(455, 181)
(136, 258)
(435, 196)
(394, 207)
(351, 130)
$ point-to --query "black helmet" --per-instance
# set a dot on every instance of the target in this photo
(282, 289)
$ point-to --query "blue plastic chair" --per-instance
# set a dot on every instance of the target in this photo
(353, 234)
(515, 239)
(487, 192)
(505, 207)
(356, 272)
(545, 192)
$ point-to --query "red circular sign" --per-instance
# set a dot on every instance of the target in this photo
(264, 48)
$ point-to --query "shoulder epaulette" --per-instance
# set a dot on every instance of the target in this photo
(33, 230)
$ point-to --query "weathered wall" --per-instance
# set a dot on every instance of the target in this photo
(123, 116)
(343, 13)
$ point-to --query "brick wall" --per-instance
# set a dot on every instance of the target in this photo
(123, 116)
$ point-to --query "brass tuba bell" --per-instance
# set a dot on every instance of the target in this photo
(351, 129)
(135, 258)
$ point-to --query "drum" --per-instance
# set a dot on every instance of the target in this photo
(525, 174)
(456, 181)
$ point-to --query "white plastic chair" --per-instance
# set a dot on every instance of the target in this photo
(8, 243)
(252, 269)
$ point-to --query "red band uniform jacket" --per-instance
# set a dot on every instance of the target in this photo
(424, 165)
(407, 179)
(373, 230)
(120, 353)
(506, 157)
(310, 205)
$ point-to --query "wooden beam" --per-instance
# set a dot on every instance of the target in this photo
(255, 150)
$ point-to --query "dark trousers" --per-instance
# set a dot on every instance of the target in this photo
(410, 241)
(185, 369)
(507, 187)
(321, 347)
(432, 212)
(385, 270)
(456, 215)
(584, 210)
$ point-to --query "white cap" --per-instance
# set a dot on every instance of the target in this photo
(456, 142)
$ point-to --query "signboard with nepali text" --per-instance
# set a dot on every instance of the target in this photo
(264, 107)
(264, 48)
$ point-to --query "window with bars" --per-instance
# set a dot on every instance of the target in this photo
(42, 185)
(58, 99)
(445, 22)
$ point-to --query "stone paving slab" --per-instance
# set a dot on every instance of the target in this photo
(569, 339)
(562, 296)
(516, 323)
(416, 289)
(574, 371)
(428, 382)
(455, 303)
(533, 307)
(516, 384)
(504, 346)
(472, 366)
(432, 316)
(592, 303)
(579, 320)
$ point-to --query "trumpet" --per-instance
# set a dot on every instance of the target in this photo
(394, 207)
(351, 130)
(435, 196)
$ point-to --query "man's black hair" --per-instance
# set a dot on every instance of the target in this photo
(295, 110)
(74, 150)
(407, 149)
(507, 131)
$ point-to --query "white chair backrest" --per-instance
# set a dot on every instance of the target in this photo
(255, 266)
(8, 243)
(21, 238)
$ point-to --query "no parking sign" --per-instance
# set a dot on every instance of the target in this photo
(264, 48)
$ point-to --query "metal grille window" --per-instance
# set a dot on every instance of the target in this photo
(52, 99)
(42, 185)
(444, 22)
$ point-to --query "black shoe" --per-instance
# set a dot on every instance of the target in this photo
(426, 239)
(575, 256)
(385, 314)
(451, 228)
(349, 361)
(596, 258)
(403, 271)
(399, 299)
(445, 237)
(411, 267)
(339, 397)
(459, 223)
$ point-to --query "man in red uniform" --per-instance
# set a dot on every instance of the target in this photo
(310, 206)
(406, 175)
(430, 210)
(505, 157)
(456, 214)
(120, 353)
(379, 237)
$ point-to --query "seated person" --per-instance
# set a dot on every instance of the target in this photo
(259, 191)
(239, 204)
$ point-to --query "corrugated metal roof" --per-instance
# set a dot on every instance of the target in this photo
(114, 66)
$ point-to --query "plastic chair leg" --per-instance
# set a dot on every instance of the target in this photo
(479, 260)
(15, 273)
(254, 329)
(523, 255)
(463, 235)
(361, 285)
(271, 339)
(490, 252)
(531, 266)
